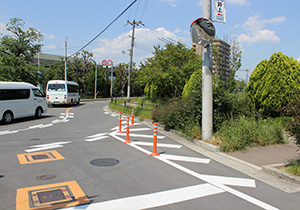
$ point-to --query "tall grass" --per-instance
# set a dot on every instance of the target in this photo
(245, 132)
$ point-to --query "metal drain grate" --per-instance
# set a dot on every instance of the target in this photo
(104, 162)
(46, 177)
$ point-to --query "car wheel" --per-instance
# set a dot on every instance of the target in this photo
(38, 112)
(7, 117)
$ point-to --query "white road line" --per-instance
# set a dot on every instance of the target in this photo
(56, 121)
(8, 132)
(47, 125)
(43, 148)
(139, 135)
(140, 129)
(156, 199)
(106, 112)
(115, 128)
(47, 146)
(61, 116)
(96, 139)
(35, 126)
(184, 158)
(113, 115)
(96, 135)
(176, 146)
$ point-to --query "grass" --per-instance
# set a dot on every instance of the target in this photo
(294, 168)
(243, 133)
(128, 109)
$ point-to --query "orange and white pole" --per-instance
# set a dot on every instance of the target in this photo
(120, 123)
(127, 131)
(155, 141)
(132, 117)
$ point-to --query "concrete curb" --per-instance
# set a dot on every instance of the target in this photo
(273, 170)
(267, 169)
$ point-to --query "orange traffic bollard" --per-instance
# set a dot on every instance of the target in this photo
(132, 117)
(120, 123)
(155, 141)
(127, 131)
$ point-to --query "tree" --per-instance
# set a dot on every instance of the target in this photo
(21, 43)
(17, 50)
(165, 74)
(274, 83)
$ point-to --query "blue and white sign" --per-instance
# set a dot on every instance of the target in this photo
(220, 11)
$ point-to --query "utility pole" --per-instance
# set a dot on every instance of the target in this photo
(96, 74)
(207, 80)
(66, 46)
(131, 52)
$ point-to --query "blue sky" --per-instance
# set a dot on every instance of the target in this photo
(262, 27)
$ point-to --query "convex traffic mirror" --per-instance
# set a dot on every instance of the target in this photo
(202, 31)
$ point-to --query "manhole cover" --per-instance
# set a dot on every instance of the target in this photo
(46, 177)
(104, 162)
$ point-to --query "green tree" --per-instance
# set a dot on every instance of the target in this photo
(273, 83)
(165, 74)
(17, 50)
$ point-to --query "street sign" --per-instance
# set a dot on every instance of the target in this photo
(104, 63)
(220, 11)
(109, 62)
(202, 31)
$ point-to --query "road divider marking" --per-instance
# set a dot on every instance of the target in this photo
(96, 135)
(156, 199)
(186, 159)
(140, 135)
(96, 139)
(47, 146)
(150, 144)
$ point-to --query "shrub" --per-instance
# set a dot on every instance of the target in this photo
(245, 132)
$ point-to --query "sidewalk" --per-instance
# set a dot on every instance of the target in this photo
(274, 154)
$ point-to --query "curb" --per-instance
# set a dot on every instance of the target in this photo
(268, 169)
(273, 170)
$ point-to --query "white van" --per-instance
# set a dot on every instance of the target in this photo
(62, 92)
(20, 99)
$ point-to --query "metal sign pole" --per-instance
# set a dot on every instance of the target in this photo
(207, 81)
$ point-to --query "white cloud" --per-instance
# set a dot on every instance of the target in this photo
(298, 59)
(51, 46)
(240, 2)
(171, 2)
(117, 49)
(50, 37)
(258, 31)
(199, 3)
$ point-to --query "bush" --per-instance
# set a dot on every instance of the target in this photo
(245, 132)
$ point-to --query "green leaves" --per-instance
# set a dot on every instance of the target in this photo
(273, 82)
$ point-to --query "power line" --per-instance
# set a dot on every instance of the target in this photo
(104, 28)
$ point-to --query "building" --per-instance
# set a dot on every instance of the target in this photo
(221, 57)
(44, 59)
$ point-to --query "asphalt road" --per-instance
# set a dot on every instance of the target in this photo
(74, 156)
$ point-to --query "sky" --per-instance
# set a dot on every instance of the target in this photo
(261, 27)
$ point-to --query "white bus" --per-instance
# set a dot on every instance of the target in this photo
(20, 99)
(62, 92)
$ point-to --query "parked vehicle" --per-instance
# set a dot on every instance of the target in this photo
(20, 99)
(62, 92)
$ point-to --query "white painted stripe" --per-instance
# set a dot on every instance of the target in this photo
(139, 135)
(106, 112)
(97, 135)
(56, 121)
(43, 148)
(96, 139)
(63, 113)
(140, 129)
(35, 126)
(115, 128)
(113, 115)
(47, 125)
(56, 143)
(156, 199)
(70, 113)
(65, 120)
(61, 116)
(71, 116)
(176, 146)
(187, 159)
(8, 132)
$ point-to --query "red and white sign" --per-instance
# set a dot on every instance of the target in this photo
(109, 62)
(104, 63)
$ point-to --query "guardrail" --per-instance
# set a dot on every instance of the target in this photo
(141, 105)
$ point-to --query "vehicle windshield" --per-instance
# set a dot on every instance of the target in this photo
(56, 87)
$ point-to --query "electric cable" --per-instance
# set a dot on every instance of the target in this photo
(105, 28)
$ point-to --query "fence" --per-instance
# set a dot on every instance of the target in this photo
(141, 105)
